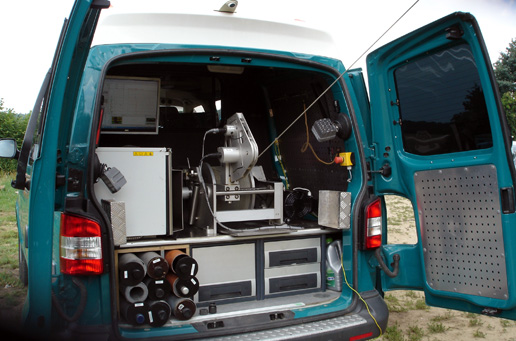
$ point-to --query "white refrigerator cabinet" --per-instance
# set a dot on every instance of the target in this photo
(147, 193)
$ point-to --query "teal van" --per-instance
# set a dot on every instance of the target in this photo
(201, 176)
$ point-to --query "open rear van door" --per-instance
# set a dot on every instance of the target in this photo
(439, 128)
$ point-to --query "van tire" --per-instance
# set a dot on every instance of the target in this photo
(22, 266)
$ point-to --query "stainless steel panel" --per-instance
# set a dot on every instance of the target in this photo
(300, 331)
(335, 209)
(461, 230)
(116, 212)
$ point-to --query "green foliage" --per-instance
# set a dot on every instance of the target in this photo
(421, 305)
(436, 327)
(505, 72)
(13, 292)
(394, 304)
(12, 125)
(394, 333)
(509, 105)
(475, 322)
(415, 333)
(505, 323)
(505, 69)
(447, 316)
(479, 334)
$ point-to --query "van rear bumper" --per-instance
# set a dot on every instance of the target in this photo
(354, 325)
(357, 325)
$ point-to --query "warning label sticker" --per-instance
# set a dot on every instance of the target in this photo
(143, 153)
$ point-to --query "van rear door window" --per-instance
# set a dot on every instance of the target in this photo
(442, 105)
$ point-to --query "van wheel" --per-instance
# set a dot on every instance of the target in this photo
(22, 266)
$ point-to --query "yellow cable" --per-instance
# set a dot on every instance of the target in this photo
(360, 297)
(307, 143)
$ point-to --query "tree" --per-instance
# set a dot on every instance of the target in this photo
(509, 105)
(505, 69)
(12, 125)
(505, 72)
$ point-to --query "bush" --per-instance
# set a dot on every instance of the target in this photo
(12, 125)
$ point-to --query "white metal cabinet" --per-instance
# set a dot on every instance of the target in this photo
(147, 193)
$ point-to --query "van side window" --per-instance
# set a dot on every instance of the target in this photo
(442, 105)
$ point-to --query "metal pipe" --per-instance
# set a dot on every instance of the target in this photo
(194, 203)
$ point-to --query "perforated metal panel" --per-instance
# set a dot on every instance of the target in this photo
(461, 229)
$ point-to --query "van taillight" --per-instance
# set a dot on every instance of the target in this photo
(373, 228)
(80, 247)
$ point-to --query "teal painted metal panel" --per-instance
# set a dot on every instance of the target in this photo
(37, 314)
(388, 139)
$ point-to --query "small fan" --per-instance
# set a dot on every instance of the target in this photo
(298, 203)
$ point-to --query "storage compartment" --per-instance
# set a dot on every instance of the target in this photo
(210, 183)
(156, 285)
(292, 278)
(229, 272)
(292, 252)
(292, 265)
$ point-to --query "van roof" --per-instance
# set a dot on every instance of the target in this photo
(167, 23)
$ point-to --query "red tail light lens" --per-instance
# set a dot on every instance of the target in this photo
(80, 247)
(373, 228)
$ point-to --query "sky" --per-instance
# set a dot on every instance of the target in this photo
(29, 30)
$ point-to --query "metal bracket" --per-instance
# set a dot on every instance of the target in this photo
(385, 171)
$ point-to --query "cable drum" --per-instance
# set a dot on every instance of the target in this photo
(181, 264)
(131, 269)
(183, 287)
(159, 289)
(159, 313)
(134, 313)
(182, 308)
(135, 293)
(157, 266)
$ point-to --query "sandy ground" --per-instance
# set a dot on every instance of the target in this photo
(411, 319)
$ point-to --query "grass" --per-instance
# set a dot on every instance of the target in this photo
(12, 290)
(439, 318)
(505, 323)
(411, 294)
(474, 322)
(415, 333)
(393, 333)
(394, 304)
(436, 327)
(479, 334)
(420, 305)
(7, 201)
